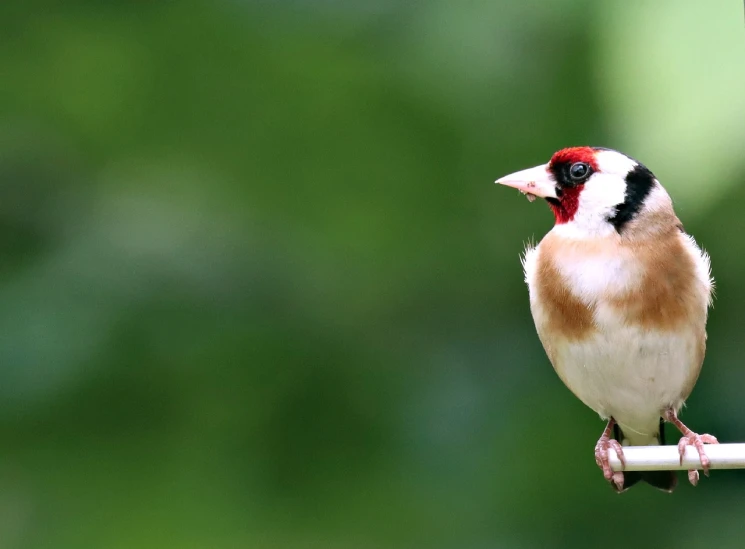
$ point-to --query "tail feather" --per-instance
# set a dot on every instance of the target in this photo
(662, 480)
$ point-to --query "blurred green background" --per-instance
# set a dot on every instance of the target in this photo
(259, 290)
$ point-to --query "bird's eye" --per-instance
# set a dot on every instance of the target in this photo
(578, 171)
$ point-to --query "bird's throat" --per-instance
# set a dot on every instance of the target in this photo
(566, 205)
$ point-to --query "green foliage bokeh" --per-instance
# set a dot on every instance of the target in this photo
(259, 290)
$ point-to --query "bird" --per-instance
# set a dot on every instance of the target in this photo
(619, 294)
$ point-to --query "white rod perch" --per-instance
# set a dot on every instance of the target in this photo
(666, 458)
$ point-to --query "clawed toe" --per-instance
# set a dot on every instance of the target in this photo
(603, 460)
(693, 477)
(697, 441)
(691, 439)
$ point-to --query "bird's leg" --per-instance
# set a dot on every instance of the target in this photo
(602, 459)
(691, 439)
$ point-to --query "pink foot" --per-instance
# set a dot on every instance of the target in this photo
(697, 441)
(603, 460)
(690, 438)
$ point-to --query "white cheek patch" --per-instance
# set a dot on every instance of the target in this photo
(602, 193)
(597, 202)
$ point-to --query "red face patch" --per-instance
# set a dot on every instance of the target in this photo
(566, 206)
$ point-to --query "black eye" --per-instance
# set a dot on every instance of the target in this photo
(579, 171)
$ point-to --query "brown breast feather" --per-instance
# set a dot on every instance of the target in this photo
(665, 298)
(566, 315)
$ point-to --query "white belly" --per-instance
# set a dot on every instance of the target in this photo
(629, 374)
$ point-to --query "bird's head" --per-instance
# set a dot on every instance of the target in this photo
(591, 189)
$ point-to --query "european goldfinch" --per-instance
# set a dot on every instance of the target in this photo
(619, 294)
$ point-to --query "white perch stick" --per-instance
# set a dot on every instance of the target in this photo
(666, 458)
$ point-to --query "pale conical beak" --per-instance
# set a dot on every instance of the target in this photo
(533, 181)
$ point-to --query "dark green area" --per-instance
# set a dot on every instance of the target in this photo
(258, 288)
